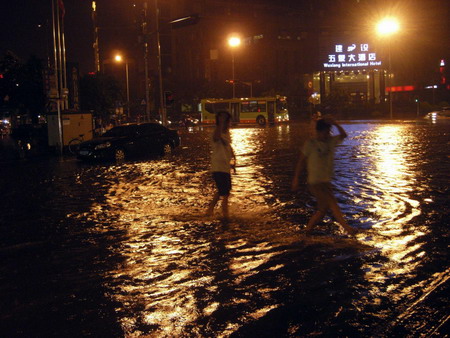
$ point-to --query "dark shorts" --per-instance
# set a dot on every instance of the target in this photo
(223, 182)
(323, 192)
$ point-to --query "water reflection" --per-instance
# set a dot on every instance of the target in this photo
(170, 248)
(249, 183)
(392, 179)
(394, 176)
(385, 188)
(182, 274)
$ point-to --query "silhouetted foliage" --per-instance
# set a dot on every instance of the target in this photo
(99, 93)
(22, 86)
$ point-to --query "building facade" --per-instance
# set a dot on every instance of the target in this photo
(314, 52)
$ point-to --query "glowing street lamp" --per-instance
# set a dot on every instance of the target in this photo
(233, 42)
(387, 27)
(118, 58)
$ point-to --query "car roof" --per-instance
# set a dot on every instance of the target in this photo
(139, 124)
(125, 125)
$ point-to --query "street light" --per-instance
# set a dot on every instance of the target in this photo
(233, 42)
(118, 58)
(386, 28)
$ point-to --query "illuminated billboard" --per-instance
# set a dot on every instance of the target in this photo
(354, 55)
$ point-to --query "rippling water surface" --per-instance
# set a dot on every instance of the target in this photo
(125, 250)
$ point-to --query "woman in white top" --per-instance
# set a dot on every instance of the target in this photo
(222, 162)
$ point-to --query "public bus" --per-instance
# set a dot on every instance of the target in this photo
(260, 110)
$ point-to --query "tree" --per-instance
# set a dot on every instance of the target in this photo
(9, 66)
(22, 85)
(31, 92)
(99, 93)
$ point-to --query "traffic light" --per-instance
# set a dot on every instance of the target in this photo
(168, 98)
(229, 81)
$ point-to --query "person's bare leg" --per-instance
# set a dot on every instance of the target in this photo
(316, 218)
(212, 204)
(337, 213)
(225, 206)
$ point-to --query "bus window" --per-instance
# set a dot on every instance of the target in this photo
(219, 106)
(215, 107)
(253, 106)
(209, 107)
(261, 106)
(245, 107)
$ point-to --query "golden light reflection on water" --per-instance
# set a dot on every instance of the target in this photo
(156, 273)
(164, 263)
(393, 179)
(176, 262)
(248, 192)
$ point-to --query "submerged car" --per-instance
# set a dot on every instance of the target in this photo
(440, 114)
(130, 140)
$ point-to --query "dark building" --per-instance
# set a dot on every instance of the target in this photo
(279, 46)
(285, 46)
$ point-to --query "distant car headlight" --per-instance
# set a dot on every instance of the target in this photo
(102, 146)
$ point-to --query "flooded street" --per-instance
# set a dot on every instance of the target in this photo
(124, 250)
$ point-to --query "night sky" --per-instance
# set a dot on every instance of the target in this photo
(20, 31)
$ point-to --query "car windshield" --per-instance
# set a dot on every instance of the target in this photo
(117, 132)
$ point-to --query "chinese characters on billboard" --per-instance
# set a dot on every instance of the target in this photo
(352, 56)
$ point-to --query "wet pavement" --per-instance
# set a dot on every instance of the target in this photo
(119, 250)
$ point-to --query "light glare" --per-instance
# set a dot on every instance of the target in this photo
(388, 26)
(234, 41)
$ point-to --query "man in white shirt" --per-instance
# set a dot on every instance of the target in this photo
(317, 156)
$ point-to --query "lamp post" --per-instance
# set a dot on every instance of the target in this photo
(119, 59)
(233, 42)
(386, 28)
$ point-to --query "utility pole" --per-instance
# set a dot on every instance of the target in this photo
(64, 64)
(128, 89)
(147, 82)
(58, 43)
(161, 95)
(95, 45)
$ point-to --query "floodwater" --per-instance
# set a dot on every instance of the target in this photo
(124, 250)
